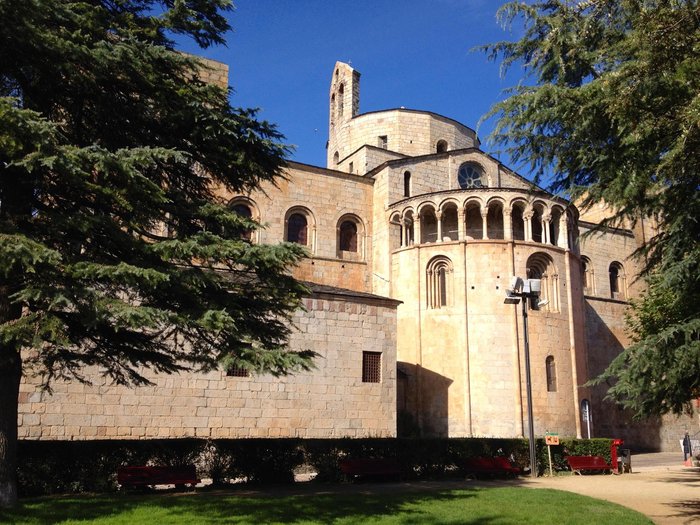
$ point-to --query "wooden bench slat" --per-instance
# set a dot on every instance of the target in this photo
(142, 476)
(580, 463)
(492, 466)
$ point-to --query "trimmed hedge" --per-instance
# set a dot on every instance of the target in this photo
(50, 467)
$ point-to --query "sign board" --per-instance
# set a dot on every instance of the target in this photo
(551, 439)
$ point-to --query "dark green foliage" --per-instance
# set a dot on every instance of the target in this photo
(91, 466)
(115, 249)
(107, 135)
(610, 109)
(570, 447)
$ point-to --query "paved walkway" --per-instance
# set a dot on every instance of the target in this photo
(659, 487)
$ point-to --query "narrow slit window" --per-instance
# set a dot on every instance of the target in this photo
(551, 367)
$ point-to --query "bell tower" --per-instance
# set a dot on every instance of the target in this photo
(344, 104)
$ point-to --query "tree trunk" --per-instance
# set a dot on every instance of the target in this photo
(10, 376)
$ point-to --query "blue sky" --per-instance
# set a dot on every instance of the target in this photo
(415, 54)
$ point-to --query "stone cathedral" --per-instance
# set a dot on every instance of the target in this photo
(413, 233)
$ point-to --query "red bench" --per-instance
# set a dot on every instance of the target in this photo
(497, 466)
(579, 464)
(133, 477)
(374, 467)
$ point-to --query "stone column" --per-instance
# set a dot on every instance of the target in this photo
(546, 219)
(527, 219)
(563, 241)
(416, 230)
(460, 224)
(507, 225)
(484, 225)
(438, 216)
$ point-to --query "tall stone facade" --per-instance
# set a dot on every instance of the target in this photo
(413, 234)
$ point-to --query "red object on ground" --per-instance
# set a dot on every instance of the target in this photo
(131, 477)
(613, 453)
(580, 463)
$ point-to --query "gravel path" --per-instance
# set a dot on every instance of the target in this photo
(659, 487)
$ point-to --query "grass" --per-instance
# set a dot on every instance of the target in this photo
(483, 506)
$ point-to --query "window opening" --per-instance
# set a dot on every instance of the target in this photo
(428, 226)
(494, 221)
(297, 229)
(371, 367)
(537, 225)
(341, 96)
(617, 281)
(469, 176)
(475, 229)
(348, 236)
(407, 184)
(383, 141)
(450, 224)
(237, 371)
(244, 211)
(439, 281)
(518, 223)
(551, 368)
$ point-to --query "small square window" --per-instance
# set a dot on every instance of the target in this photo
(237, 371)
(371, 367)
(384, 141)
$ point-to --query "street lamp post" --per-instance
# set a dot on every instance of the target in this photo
(524, 291)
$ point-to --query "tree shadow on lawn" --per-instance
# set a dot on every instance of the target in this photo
(415, 507)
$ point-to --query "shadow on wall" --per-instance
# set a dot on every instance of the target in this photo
(609, 419)
(421, 402)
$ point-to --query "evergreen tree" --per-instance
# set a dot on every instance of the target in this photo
(108, 140)
(611, 107)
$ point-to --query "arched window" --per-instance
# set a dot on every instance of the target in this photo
(617, 281)
(341, 96)
(428, 225)
(517, 223)
(396, 231)
(348, 236)
(472, 215)
(540, 266)
(470, 176)
(551, 368)
(494, 221)
(439, 282)
(336, 158)
(450, 223)
(244, 211)
(298, 229)
(554, 224)
(332, 109)
(409, 237)
(441, 146)
(407, 184)
(536, 223)
(587, 282)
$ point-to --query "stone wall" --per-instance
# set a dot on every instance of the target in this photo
(325, 198)
(466, 359)
(330, 401)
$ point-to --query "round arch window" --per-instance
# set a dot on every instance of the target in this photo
(469, 176)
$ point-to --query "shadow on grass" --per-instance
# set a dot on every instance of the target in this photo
(218, 508)
(428, 503)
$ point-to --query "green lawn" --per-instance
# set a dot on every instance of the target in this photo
(491, 506)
